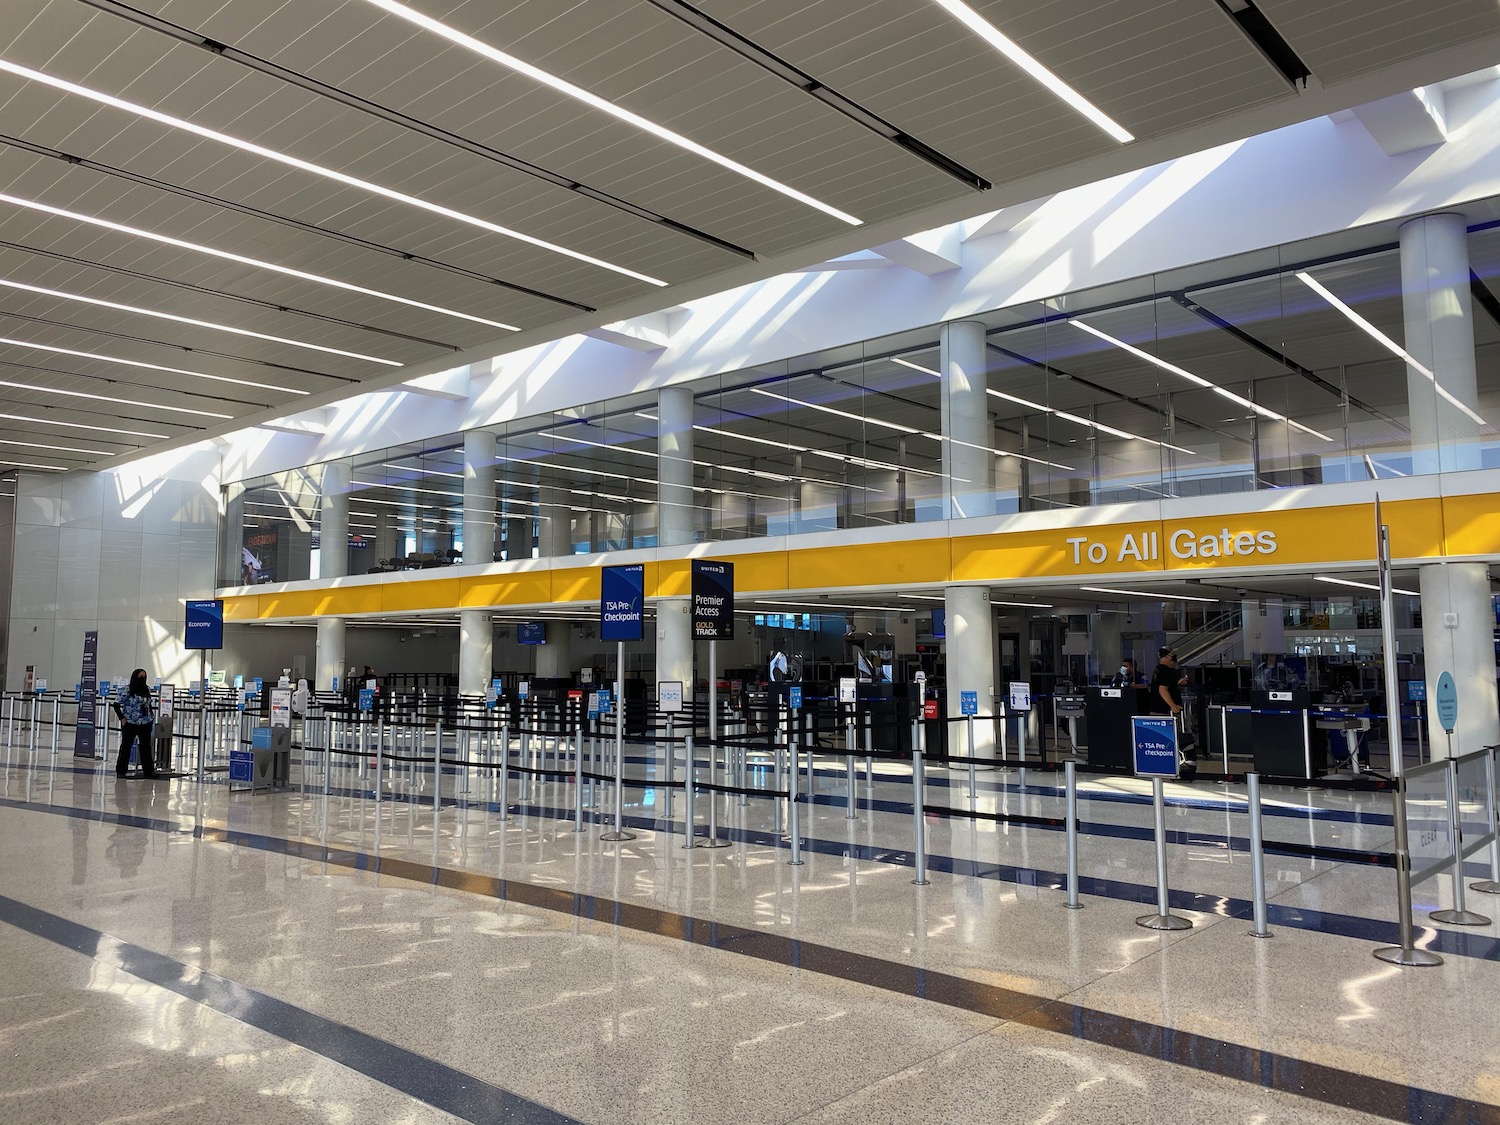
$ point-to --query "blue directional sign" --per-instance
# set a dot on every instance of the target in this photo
(1416, 691)
(205, 624)
(794, 697)
(1447, 702)
(968, 703)
(1155, 741)
(622, 595)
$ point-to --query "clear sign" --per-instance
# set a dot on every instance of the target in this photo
(848, 690)
(1447, 702)
(1473, 801)
(204, 625)
(669, 695)
(1154, 739)
(968, 703)
(1429, 833)
(794, 697)
(622, 595)
(713, 600)
(1020, 695)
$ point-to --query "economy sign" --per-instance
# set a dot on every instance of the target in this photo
(205, 625)
(622, 594)
(713, 600)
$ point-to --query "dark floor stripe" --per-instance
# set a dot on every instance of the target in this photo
(442, 1087)
(434, 1083)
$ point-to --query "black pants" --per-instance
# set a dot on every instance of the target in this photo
(132, 734)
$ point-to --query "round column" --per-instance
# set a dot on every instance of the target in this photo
(479, 497)
(674, 642)
(1438, 304)
(333, 522)
(330, 654)
(967, 461)
(674, 429)
(970, 663)
(476, 649)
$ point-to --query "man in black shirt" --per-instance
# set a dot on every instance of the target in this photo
(1166, 684)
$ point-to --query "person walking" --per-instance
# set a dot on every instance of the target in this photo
(136, 716)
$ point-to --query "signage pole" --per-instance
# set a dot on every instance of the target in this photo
(619, 834)
(713, 695)
(202, 707)
(1406, 953)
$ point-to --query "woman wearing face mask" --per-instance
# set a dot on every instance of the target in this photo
(136, 717)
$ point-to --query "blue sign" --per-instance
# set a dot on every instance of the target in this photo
(794, 697)
(531, 633)
(242, 765)
(713, 600)
(622, 595)
(602, 701)
(1416, 690)
(1155, 739)
(1447, 702)
(205, 625)
(260, 683)
(939, 624)
(366, 699)
(239, 682)
(335, 685)
(968, 703)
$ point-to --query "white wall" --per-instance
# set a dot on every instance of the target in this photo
(119, 552)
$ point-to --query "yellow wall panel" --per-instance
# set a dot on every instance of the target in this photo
(1039, 554)
(674, 579)
(412, 597)
(764, 571)
(1472, 524)
(919, 561)
(575, 584)
(525, 588)
(245, 607)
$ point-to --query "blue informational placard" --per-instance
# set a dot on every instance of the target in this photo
(259, 683)
(601, 701)
(794, 697)
(622, 595)
(713, 600)
(968, 702)
(1155, 739)
(1447, 702)
(366, 699)
(1416, 690)
(242, 765)
(205, 625)
(531, 633)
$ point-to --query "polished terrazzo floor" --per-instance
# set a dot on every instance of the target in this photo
(181, 953)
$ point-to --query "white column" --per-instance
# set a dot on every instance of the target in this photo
(1458, 628)
(554, 660)
(476, 649)
(479, 499)
(674, 643)
(555, 526)
(674, 409)
(967, 461)
(333, 522)
(330, 655)
(971, 665)
(1439, 311)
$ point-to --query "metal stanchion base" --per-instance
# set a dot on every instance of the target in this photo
(713, 842)
(617, 837)
(1342, 775)
(1163, 922)
(1459, 918)
(1487, 887)
(1267, 934)
(1409, 958)
(1072, 906)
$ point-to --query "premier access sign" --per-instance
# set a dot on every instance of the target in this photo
(713, 600)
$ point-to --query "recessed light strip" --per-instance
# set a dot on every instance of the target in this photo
(1013, 51)
(1198, 380)
(190, 320)
(80, 426)
(314, 169)
(1363, 585)
(117, 401)
(183, 244)
(59, 448)
(577, 93)
(1391, 345)
(151, 366)
(1158, 596)
(29, 465)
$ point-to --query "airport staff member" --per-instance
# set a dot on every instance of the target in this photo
(1127, 676)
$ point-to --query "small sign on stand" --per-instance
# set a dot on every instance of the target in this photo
(669, 696)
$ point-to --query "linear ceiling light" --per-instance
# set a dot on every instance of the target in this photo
(593, 100)
(917, 367)
(29, 465)
(315, 169)
(1088, 422)
(863, 419)
(80, 426)
(1198, 380)
(117, 401)
(1012, 50)
(59, 448)
(348, 287)
(1158, 596)
(151, 366)
(1391, 345)
(1363, 585)
(190, 320)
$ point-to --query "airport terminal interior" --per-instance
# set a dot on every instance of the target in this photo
(646, 561)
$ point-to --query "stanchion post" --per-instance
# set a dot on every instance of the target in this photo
(578, 779)
(688, 814)
(973, 781)
(1460, 915)
(1070, 776)
(1163, 919)
(794, 813)
(850, 781)
(1491, 885)
(1257, 859)
(619, 834)
(437, 766)
(919, 823)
